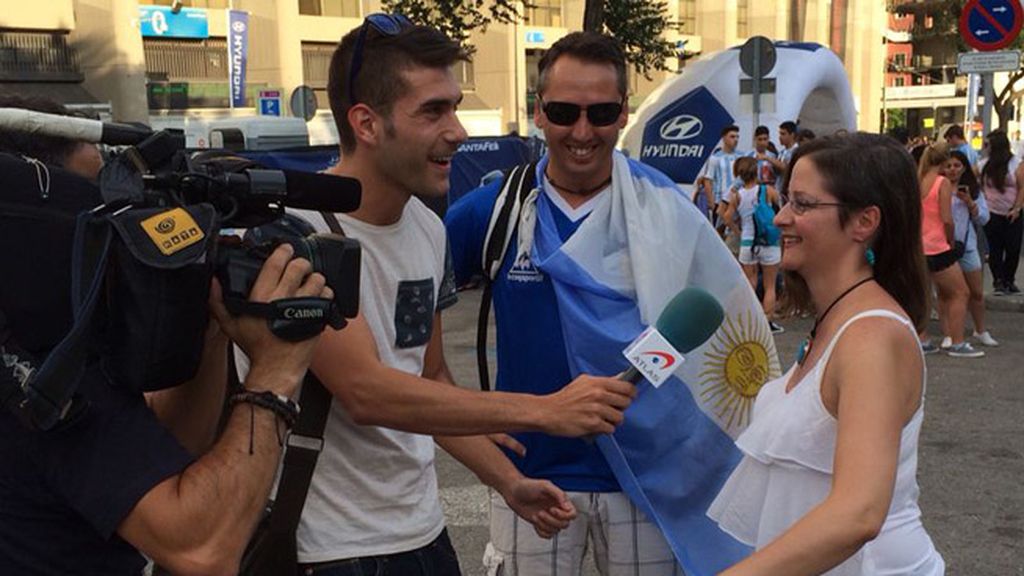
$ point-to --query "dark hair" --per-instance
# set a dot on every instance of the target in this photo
(863, 170)
(730, 128)
(999, 155)
(967, 178)
(53, 150)
(761, 130)
(745, 169)
(901, 134)
(590, 47)
(788, 126)
(385, 58)
(805, 135)
(954, 131)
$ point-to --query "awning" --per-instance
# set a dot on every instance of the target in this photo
(67, 93)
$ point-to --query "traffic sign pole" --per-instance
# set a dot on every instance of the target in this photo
(986, 111)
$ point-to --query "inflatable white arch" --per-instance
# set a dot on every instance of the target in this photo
(678, 126)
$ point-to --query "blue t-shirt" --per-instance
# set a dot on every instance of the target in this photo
(530, 344)
(64, 492)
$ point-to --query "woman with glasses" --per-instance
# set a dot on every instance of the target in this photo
(939, 240)
(969, 210)
(1001, 176)
(828, 483)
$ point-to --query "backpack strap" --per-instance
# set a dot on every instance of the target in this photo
(516, 186)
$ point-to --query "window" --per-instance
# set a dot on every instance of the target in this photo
(742, 18)
(899, 60)
(688, 16)
(194, 3)
(464, 74)
(346, 8)
(544, 13)
(897, 81)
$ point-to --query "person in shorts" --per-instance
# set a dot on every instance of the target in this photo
(742, 201)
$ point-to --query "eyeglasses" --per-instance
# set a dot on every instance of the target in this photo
(802, 205)
(386, 24)
(567, 113)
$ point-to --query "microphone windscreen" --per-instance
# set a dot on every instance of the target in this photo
(323, 192)
(689, 319)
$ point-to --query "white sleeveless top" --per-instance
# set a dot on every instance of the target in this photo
(787, 470)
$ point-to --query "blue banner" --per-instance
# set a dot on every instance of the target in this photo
(679, 139)
(161, 22)
(238, 55)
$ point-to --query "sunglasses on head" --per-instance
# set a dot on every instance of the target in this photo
(567, 113)
(384, 24)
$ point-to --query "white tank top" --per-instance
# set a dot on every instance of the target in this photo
(787, 470)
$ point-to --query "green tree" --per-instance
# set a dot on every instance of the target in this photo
(637, 24)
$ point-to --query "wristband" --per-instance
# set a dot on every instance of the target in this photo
(282, 406)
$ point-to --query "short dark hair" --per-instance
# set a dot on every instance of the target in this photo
(380, 83)
(954, 131)
(745, 169)
(761, 130)
(863, 170)
(53, 150)
(591, 47)
(806, 135)
(730, 128)
(788, 126)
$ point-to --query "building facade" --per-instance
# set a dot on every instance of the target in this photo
(166, 61)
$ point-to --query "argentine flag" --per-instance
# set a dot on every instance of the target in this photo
(612, 278)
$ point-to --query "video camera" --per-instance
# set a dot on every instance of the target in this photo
(120, 275)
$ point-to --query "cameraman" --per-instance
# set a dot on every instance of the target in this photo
(89, 496)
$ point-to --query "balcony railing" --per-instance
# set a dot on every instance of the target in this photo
(37, 57)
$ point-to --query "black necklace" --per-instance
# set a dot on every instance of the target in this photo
(805, 348)
(583, 192)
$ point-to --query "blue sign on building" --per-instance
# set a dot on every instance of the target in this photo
(238, 55)
(680, 138)
(534, 37)
(160, 22)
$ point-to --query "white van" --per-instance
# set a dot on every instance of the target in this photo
(237, 132)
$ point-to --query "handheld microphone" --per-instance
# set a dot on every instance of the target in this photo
(686, 322)
(71, 127)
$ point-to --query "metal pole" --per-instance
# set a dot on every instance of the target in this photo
(756, 88)
(986, 112)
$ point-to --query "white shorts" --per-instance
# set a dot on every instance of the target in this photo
(625, 542)
(764, 255)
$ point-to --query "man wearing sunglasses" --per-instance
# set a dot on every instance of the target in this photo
(555, 317)
(373, 504)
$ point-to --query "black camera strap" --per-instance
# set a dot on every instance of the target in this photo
(304, 444)
(47, 393)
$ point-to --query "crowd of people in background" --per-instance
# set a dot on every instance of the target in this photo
(971, 216)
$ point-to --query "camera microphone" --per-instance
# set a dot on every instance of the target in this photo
(71, 127)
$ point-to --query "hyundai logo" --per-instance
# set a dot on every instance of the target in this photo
(238, 26)
(682, 127)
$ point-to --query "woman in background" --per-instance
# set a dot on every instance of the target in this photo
(969, 211)
(938, 237)
(1001, 176)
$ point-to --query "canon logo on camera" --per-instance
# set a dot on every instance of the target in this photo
(302, 313)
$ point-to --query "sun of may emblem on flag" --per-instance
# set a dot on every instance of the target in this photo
(739, 359)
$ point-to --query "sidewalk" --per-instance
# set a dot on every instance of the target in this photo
(1013, 303)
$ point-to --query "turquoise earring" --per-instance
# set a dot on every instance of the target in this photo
(869, 255)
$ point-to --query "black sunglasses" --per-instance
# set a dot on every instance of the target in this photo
(386, 24)
(567, 113)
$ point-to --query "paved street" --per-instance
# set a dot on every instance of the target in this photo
(971, 458)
